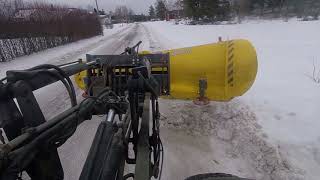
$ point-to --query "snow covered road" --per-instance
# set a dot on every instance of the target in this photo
(284, 99)
(269, 133)
(73, 153)
(54, 98)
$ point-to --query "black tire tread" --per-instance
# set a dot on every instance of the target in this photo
(214, 176)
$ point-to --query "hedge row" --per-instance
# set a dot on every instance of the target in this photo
(45, 27)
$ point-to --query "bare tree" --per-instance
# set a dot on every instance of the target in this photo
(315, 74)
(123, 13)
(18, 4)
(7, 9)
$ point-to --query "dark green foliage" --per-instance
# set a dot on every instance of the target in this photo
(217, 10)
(161, 9)
(152, 12)
(138, 18)
(207, 9)
(311, 8)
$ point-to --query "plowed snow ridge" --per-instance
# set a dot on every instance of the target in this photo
(234, 128)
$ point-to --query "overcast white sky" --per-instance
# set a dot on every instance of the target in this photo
(139, 6)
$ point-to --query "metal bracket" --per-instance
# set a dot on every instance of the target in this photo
(202, 99)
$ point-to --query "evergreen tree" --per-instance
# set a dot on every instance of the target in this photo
(210, 9)
(207, 9)
(258, 5)
(152, 13)
(312, 8)
(217, 10)
(297, 7)
(161, 9)
(191, 8)
(223, 10)
(199, 8)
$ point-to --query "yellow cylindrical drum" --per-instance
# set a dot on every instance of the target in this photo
(229, 67)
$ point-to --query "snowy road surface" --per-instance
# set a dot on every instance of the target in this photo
(263, 135)
(284, 99)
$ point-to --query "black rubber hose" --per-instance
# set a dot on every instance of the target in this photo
(3, 79)
(60, 71)
(162, 154)
(65, 83)
(127, 176)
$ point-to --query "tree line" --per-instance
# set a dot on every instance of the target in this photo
(278, 8)
(124, 14)
(220, 10)
(29, 28)
(159, 10)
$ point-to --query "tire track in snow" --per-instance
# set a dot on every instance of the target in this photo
(154, 43)
(74, 152)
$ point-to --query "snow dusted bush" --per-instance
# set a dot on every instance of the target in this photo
(12, 48)
(39, 26)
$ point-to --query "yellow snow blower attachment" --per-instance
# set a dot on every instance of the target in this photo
(229, 69)
(217, 72)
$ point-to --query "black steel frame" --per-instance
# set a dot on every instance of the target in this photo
(128, 91)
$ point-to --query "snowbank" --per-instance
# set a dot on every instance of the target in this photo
(284, 98)
(220, 137)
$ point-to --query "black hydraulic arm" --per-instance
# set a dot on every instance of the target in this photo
(127, 94)
(105, 153)
(143, 168)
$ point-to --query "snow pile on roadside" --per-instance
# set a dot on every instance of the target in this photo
(236, 125)
(284, 98)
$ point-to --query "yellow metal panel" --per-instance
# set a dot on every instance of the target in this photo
(229, 67)
(79, 79)
(159, 69)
